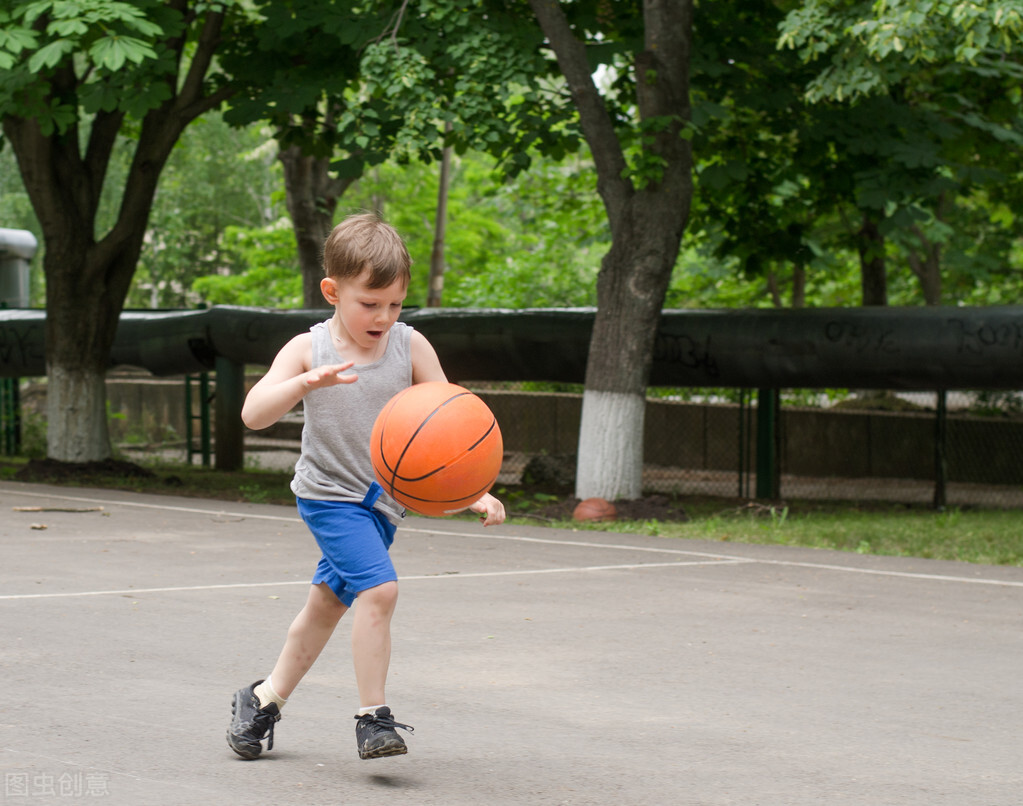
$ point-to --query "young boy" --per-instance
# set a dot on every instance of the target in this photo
(344, 370)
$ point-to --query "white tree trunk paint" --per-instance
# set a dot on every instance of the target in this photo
(610, 463)
(76, 416)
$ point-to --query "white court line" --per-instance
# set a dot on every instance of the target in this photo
(791, 563)
(452, 575)
(523, 539)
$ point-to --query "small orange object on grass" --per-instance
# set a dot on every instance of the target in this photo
(595, 509)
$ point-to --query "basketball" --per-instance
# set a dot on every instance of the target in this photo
(595, 509)
(436, 448)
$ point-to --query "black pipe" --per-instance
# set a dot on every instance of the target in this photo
(863, 348)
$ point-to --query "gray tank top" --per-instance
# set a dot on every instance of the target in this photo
(335, 463)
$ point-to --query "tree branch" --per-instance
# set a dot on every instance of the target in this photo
(593, 115)
(206, 48)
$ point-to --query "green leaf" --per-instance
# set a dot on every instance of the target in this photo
(112, 52)
(50, 55)
(67, 27)
(17, 39)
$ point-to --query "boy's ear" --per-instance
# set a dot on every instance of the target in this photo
(328, 287)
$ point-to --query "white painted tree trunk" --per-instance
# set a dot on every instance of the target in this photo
(76, 416)
(610, 461)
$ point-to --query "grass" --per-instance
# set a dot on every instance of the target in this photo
(987, 536)
(993, 537)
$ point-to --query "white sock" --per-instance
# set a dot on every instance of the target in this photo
(266, 694)
(369, 709)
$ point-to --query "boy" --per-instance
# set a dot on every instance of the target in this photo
(344, 370)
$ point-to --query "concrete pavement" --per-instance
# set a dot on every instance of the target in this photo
(538, 666)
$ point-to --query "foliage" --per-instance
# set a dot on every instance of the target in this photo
(264, 260)
(786, 183)
(534, 242)
(219, 180)
(473, 70)
(874, 45)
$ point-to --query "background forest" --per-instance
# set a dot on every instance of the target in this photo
(220, 234)
(795, 164)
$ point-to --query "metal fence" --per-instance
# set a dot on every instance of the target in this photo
(953, 449)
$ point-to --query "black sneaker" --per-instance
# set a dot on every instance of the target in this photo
(376, 736)
(250, 724)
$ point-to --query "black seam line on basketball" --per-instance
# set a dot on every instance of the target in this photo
(472, 447)
(471, 497)
(392, 471)
(416, 433)
(489, 431)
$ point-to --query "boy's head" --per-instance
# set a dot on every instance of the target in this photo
(365, 243)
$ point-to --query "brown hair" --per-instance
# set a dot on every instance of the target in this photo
(365, 241)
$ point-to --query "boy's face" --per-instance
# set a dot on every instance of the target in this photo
(365, 314)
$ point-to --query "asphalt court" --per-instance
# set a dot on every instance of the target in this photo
(537, 665)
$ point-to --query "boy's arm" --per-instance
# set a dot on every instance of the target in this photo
(490, 510)
(287, 382)
(425, 363)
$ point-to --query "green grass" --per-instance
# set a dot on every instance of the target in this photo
(993, 537)
(988, 536)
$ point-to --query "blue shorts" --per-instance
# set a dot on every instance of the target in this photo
(354, 539)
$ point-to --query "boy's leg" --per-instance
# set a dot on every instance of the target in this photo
(371, 641)
(307, 637)
(375, 733)
(355, 540)
(253, 718)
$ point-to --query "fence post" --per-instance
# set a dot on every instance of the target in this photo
(767, 450)
(745, 437)
(227, 426)
(203, 417)
(10, 416)
(941, 450)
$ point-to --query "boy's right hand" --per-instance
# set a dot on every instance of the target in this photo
(329, 375)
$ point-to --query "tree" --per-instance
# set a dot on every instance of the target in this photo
(953, 72)
(402, 78)
(303, 83)
(638, 137)
(75, 75)
(218, 178)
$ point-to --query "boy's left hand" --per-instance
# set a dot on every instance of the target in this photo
(490, 509)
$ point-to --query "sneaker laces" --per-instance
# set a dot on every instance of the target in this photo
(265, 722)
(386, 721)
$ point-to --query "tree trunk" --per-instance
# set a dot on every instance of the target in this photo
(927, 268)
(435, 289)
(630, 290)
(647, 217)
(773, 290)
(312, 196)
(798, 285)
(874, 281)
(87, 278)
(77, 354)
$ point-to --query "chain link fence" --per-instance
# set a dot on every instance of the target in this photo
(956, 449)
(948, 449)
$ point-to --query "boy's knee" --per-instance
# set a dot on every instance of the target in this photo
(323, 603)
(384, 596)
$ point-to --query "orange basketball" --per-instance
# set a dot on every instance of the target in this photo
(436, 448)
